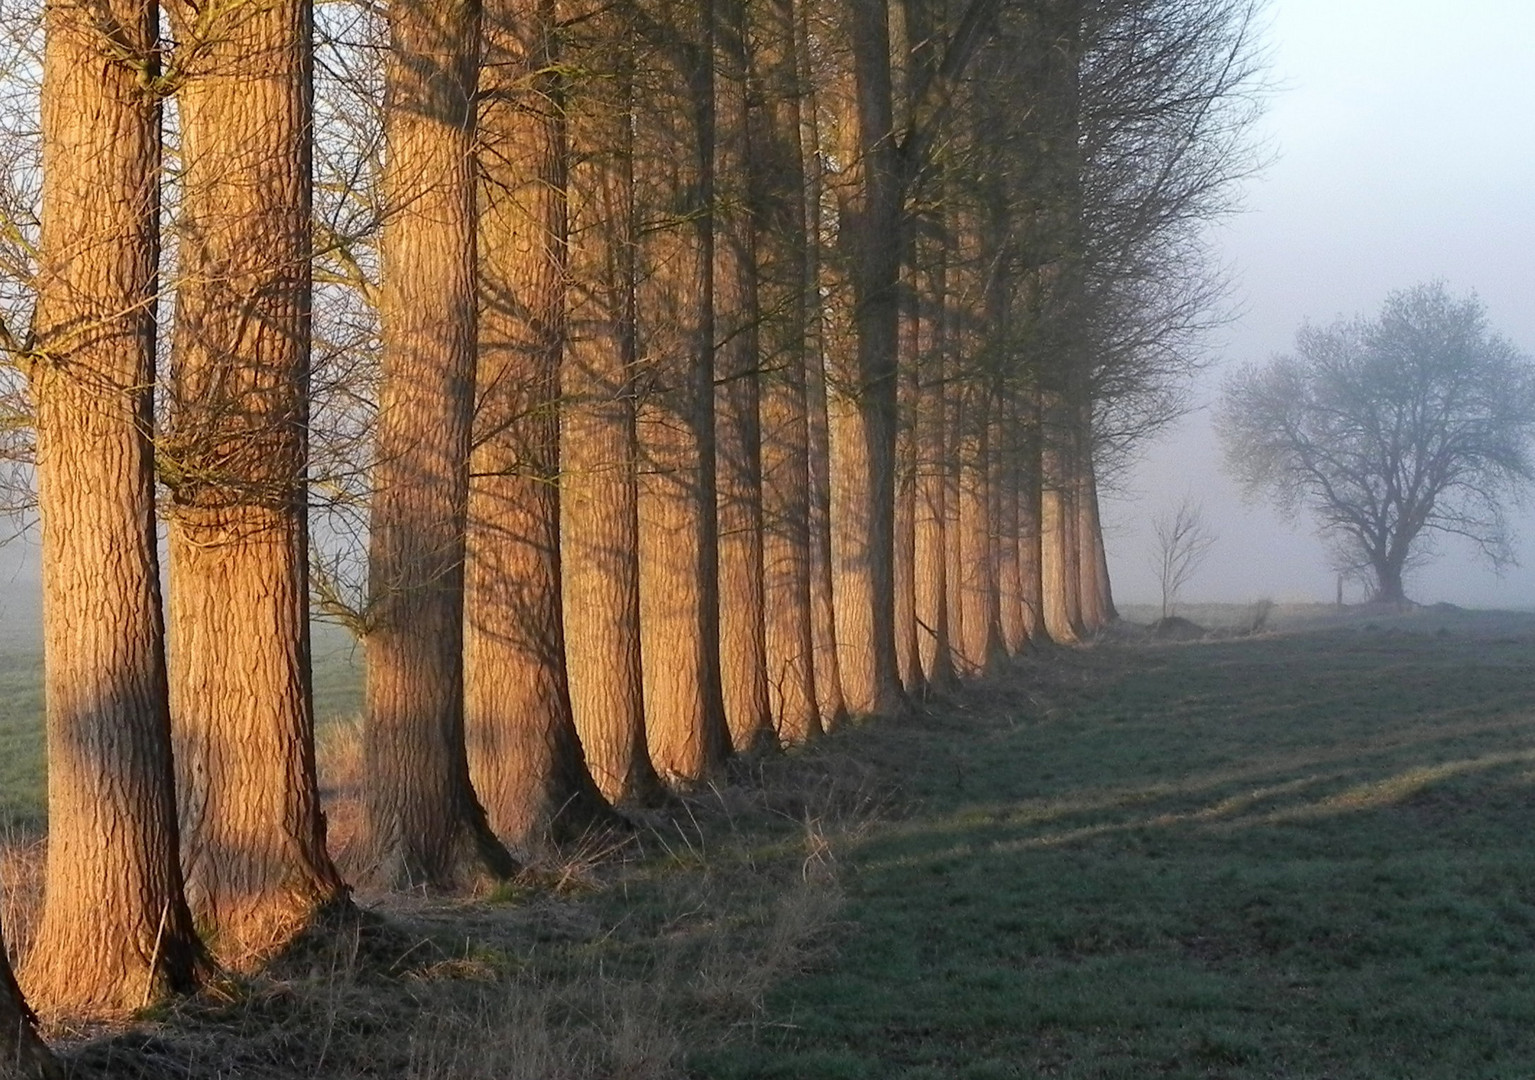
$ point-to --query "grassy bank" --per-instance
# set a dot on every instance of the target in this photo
(1298, 854)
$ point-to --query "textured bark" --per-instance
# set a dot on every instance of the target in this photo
(525, 757)
(828, 664)
(1031, 521)
(778, 207)
(599, 531)
(1092, 564)
(1059, 550)
(115, 931)
(862, 393)
(22, 1054)
(679, 542)
(907, 643)
(423, 825)
(979, 643)
(1005, 543)
(253, 836)
(922, 623)
(955, 371)
(828, 669)
(931, 555)
(1063, 370)
(738, 447)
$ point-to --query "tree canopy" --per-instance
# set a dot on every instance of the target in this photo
(1390, 431)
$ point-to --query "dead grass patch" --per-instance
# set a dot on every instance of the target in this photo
(612, 959)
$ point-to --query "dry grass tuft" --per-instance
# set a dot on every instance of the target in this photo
(338, 760)
(22, 862)
(616, 957)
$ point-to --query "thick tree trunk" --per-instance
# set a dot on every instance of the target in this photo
(743, 635)
(424, 826)
(525, 757)
(828, 667)
(778, 207)
(116, 931)
(679, 541)
(1031, 521)
(922, 632)
(1097, 599)
(253, 836)
(599, 529)
(952, 319)
(1063, 371)
(22, 1054)
(1059, 549)
(907, 635)
(979, 644)
(828, 662)
(863, 394)
(1005, 537)
(931, 558)
(1388, 579)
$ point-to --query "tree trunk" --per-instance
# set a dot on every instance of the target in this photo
(116, 931)
(22, 1054)
(1059, 550)
(599, 529)
(951, 346)
(424, 826)
(253, 835)
(525, 757)
(828, 667)
(743, 640)
(907, 639)
(1005, 508)
(979, 645)
(1097, 600)
(1388, 569)
(1031, 521)
(1063, 370)
(778, 208)
(679, 541)
(863, 394)
(935, 626)
(929, 259)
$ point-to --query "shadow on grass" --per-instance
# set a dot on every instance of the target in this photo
(1290, 856)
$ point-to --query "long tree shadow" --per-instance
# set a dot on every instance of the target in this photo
(1134, 862)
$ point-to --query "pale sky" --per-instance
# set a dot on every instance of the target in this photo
(1403, 143)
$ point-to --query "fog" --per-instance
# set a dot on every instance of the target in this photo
(1401, 153)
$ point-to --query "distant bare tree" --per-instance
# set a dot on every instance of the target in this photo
(1390, 430)
(1183, 540)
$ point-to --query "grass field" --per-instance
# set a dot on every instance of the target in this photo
(337, 692)
(1305, 853)
(1296, 855)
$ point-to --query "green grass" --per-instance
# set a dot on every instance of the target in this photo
(1301, 854)
(23, 783)
(21, 739)
(1287, 856)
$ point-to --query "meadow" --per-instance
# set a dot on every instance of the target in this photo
(1298, 853)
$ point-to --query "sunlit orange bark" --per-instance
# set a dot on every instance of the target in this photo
(115, 930)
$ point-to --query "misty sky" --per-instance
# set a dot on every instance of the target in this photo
(1403, 150)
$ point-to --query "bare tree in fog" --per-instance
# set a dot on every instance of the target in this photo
(1390, 430)
(1183, 539)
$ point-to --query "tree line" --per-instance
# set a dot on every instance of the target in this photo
(696, 374)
